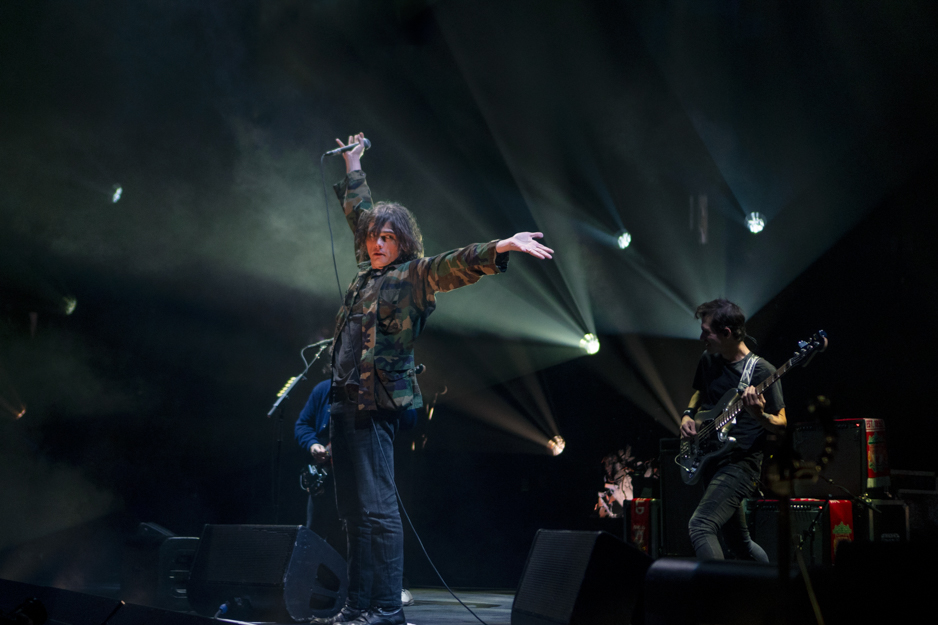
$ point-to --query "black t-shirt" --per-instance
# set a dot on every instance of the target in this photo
(716, 375)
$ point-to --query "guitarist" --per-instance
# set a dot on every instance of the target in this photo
(311, 431)
(730, 478)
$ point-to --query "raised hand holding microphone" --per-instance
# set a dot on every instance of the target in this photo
(352, 151)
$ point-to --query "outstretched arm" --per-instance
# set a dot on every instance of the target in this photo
(525, 242)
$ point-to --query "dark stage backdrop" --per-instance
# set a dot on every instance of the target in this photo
(196, 290)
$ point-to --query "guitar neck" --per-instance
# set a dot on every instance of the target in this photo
(772, 379)
(736, 406)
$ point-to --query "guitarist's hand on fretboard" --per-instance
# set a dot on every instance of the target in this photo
(753, 402)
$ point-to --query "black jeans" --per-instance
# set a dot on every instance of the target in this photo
(722, 507)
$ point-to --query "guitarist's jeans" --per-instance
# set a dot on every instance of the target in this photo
(722, 507)
(363, 466)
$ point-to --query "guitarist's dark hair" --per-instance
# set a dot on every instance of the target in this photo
(724, 314)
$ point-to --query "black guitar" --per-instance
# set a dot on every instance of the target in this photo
(714, 427)
(313, 477)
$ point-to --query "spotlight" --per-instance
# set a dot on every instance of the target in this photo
(755, 222)
(623, 239)
(590, 344)
(69, 304)
(118, 191)
(556, 445)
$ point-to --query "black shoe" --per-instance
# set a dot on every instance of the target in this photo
(346, 615)
(377, 616)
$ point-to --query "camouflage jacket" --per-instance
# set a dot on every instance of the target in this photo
(397, 302)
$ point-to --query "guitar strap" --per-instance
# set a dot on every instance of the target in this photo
(748, 369)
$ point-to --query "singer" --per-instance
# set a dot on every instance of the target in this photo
(373, 375)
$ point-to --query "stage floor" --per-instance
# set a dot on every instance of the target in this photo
(437, 607)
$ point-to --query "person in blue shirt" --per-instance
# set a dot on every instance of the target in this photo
(311, 432)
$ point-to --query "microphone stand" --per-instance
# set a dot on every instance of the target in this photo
(279, 403)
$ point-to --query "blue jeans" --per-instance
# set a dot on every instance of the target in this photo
(722, 507)
(363, 466)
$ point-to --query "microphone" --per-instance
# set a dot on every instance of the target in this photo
(420, 369)
(350, 146)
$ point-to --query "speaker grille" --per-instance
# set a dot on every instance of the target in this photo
(556, 559)
(249, 553)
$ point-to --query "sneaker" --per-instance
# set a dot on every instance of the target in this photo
(406, 597)
(377, 616)
(346, 615)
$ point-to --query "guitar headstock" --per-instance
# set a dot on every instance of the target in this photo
(808, 349)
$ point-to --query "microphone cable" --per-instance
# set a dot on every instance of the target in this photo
(325, 205)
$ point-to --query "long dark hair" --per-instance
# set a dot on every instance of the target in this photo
(724, 314)
(403, 224)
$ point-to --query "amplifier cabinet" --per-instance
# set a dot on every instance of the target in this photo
(860, 463)
(818, 525)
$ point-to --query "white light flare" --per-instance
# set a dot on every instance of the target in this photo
(755, 222)
(590, 344)
(556, 445)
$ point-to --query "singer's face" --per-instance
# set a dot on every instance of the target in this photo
(383, 248)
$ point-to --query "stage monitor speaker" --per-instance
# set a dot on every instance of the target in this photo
(176, 557)
(266, 572)
(684, 591)
(579, 578)
(63, 607)
(131, 614)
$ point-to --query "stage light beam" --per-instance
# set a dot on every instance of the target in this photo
(755, 222)
(624, 239)
(590, 344)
